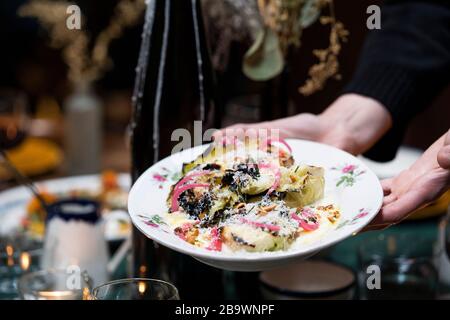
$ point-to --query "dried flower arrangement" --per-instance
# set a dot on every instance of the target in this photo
(274, 26)
(85, 63)
(328, 66)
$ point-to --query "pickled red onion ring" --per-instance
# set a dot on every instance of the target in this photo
(307, 226)
(270, 227)
(190, 176)
(176, 193)
(304, 223)
(276, 170)
(280, 140)
(306, 212)
(216, 242)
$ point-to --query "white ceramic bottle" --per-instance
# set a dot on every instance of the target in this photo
(74, 237)
(83, 132)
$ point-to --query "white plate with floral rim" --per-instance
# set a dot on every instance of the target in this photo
(354, 188)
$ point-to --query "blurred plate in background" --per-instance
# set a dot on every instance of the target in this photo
(16, 204)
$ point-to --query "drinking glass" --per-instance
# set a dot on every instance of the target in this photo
(18, 255)
(55, 284)
(402, 264)
(136, 289)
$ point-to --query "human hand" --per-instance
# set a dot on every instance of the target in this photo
(443, 157)
(352, 123)
(425, 181)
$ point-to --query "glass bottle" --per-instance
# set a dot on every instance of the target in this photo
(173, 88)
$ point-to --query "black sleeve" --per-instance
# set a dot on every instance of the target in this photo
(404, 65)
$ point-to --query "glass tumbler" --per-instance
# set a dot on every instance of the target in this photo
(55, 284)
(136, 289)
(399, 266)
(18, 255)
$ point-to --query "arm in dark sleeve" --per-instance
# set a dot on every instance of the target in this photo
(405, 64)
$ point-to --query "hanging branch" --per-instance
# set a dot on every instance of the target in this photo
(328, 66)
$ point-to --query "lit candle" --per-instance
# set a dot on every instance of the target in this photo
(58, 295)
(25, 261)
(142, 287)
(9, 253)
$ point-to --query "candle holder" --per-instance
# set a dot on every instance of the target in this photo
(54, 284)
(18, 255)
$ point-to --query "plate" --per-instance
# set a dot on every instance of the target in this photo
(13, 203)
(352, 185)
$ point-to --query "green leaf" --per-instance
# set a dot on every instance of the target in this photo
(158, 220)
(341, 181)
(342, 224)
(264, 60)
(176, 176)
(310, 13)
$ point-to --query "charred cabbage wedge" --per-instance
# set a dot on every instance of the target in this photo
(245, 195)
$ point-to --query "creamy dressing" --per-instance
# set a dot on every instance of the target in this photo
(178, 219)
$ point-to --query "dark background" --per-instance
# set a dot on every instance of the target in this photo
(28, 63)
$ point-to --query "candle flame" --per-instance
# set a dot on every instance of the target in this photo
(25, 261)
(56, 295)
(142, 269)
(142, 287)
(9, 253)
(9, 250)
(87, 294)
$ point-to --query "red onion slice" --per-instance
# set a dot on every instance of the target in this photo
(176, 193)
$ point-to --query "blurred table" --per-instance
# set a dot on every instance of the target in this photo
(115, 156)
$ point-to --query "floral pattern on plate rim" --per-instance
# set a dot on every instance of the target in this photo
(154, 221)
(165, 175)
(348, 222)
(349, 174)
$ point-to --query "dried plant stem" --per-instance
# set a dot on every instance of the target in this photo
(84, 66)
(283, 17)
(328, 65)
